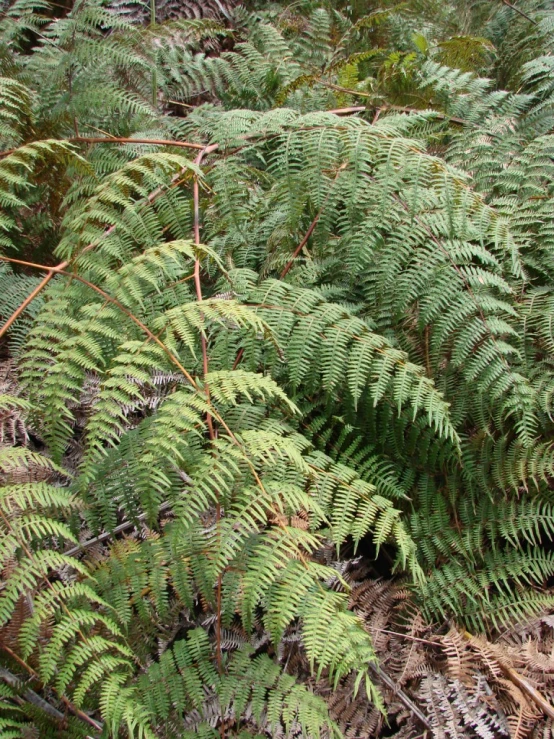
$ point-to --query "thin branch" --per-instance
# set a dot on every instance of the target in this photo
(29, 299)
(346, 90)
(348, 111)
(122, 140)
(109, 534)
(521, 12)
(238, 358)
(198, 284)
(406, 636)
(205, 360)
(304, 241)
(67, 703)
(30, 695)
(438, 114)
(406, 700)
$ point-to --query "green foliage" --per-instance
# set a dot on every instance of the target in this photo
(329, 331)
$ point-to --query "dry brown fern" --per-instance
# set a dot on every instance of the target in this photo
(438, 681)
(139, 12)
(13, 428)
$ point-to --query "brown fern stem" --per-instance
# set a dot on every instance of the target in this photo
(348, 111)
(313, 224)
(197, 281)
(115, 302)
(405, 699)
(238, 358)
(62, 266)
(78, 139)
(304, 241)
(123, 140)
(205, 362)
(28, 300)
(399, 108)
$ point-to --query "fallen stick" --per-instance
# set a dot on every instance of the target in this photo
(522, 683)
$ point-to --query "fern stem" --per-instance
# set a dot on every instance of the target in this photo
(399, 108)
(348, 111)
(238, 358)
(118, 140)
(28, 300)
(30, 696)
(109, 534)
(198, 284)
(408, 637)
(313, 224)
(205, 361)
(115, 302)
(196, 194)
(154, 71)
(427, 357)
(123, 140)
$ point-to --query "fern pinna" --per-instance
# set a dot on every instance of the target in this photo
(277, 303)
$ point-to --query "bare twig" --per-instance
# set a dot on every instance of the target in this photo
(29, 299)
(30, 695)
(197, 282)
(348, 111)
(406, 700)
(67, 703)
(400, 108)
(520, 12)
(121, 140)
(238, 358)
(407, 636)
(109, 534)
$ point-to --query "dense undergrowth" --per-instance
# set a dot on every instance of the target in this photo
(277, 285)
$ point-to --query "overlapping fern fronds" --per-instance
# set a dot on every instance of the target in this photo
(270, 305)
